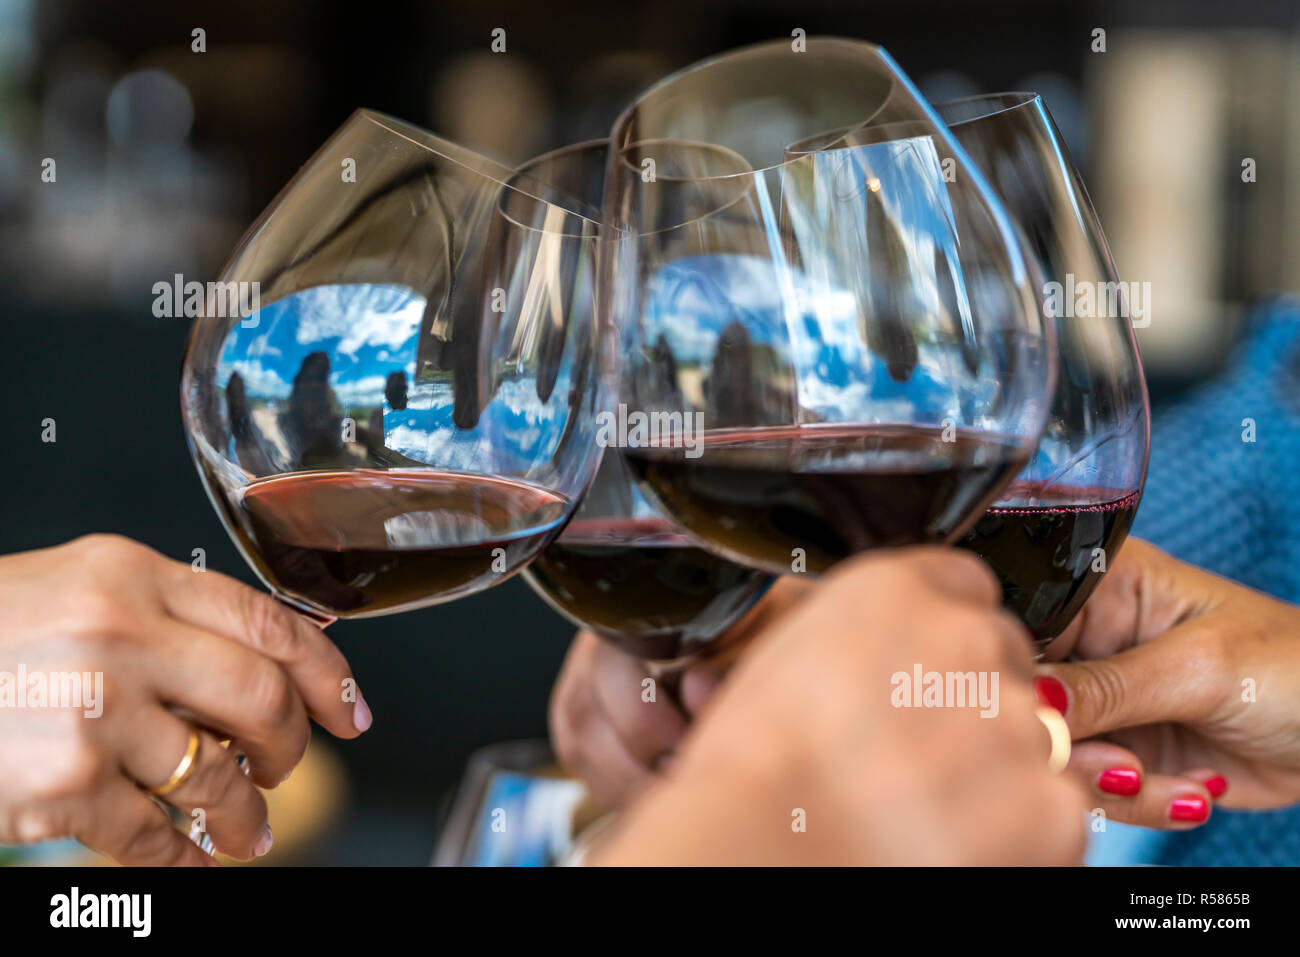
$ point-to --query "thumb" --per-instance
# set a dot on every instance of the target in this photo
(1174, 677)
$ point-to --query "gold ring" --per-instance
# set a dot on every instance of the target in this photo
(183, 770)
(1059, 732)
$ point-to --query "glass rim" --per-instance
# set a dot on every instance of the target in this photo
(838, 135)
(548, 157)
(1011, 100)
(607, 145)
(1000, 102)
(464, 157)
(754, 50)
(748, 185)
(622, 152)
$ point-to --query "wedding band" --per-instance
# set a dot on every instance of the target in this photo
(1059, 732)
(183, 770)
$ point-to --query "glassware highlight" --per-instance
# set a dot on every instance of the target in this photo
(1054, 532)
(406, 412)
(848, 332)
(620, 567)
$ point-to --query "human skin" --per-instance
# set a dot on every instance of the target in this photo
(178, 650)
(1188, 680)
(1181, 692)
(802, 756)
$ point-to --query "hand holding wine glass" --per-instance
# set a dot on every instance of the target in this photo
(1188, 684)
(806, 724)
(406, 415)
(602, 727)
(165, 656)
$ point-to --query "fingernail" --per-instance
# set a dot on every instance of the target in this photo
(361, 716)
(1217, 786)
(1194, 809)
(264, 843)
(1051, 692)
(1125, 782)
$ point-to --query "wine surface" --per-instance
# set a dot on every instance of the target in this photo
(1049, 557)
(362, 542)
(643, 586)
(771, 497)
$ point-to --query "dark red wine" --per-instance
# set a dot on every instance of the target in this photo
(361, 542)
(642, 585)
(1046, 554)
(769, 497)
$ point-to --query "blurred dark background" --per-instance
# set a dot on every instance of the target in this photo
(164, 155)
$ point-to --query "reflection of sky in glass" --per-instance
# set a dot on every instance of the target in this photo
(370, 331)
(875, 235)
(692, 300)
(515, 431)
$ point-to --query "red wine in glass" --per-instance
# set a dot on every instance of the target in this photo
(642, 585)
(800, 498)
(390, 428)
(365, 542)
(1052, 535)
(1052, 554)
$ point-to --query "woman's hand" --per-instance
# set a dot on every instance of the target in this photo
(604, 729)
(168, 650)
(1186, 689)
(804, 755)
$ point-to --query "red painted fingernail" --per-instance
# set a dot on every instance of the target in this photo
(1125, 782)
(1051, 693)
(1194, 809)
(1217, 786)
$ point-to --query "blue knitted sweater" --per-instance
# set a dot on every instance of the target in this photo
(1233, 507)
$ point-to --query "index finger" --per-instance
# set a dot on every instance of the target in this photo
(229, 608)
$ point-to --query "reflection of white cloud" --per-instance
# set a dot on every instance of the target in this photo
(519, 396)
(359, 316)
(435, 527)
(369, 387)
(515, 434)
(259, 381)
(690, 302)
(816, 330)
(261, 346)
(688, 336)
(407, 439)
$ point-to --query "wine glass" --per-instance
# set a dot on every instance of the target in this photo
(407, 414)
(620, 567)
(848, 335)
(625, 571)
(1052, 534)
